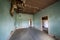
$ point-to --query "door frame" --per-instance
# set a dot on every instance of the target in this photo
(41, 28)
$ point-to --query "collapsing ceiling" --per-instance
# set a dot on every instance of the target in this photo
(29, 6)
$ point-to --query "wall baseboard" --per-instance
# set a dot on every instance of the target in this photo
(11, 33)
(58, 38)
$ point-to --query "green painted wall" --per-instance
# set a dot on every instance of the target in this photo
(53, 13)
(7, 22)
(22, 20)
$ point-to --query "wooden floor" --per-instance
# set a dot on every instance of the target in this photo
(30, 34)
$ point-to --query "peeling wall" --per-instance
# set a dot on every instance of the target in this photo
(6, 21)
(53, 13)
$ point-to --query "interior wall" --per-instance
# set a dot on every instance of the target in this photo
(53, 13)
(22, 20)
(7, 23)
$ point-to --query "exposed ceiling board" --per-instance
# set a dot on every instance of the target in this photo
(36, 5)
(33, 6)
(39, 3)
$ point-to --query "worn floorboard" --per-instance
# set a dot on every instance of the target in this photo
(30, 34)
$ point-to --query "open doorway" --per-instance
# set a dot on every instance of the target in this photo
(45, 24)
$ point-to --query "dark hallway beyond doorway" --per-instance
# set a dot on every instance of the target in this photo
(30, 34)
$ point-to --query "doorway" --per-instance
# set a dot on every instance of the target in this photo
(45, 24)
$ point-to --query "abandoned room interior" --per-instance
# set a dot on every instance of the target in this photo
(29, 19)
